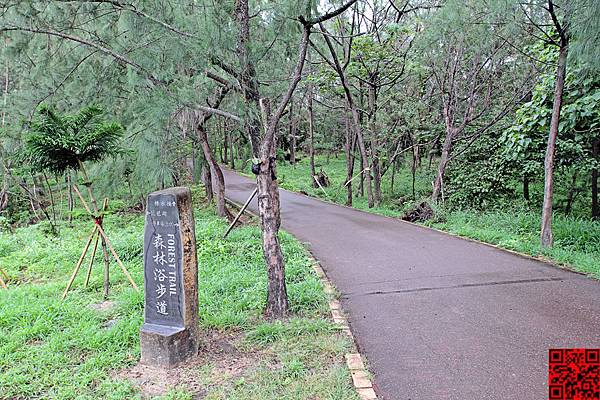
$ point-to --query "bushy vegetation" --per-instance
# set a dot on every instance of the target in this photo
(75, 348)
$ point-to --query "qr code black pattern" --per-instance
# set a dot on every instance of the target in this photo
(574, 374)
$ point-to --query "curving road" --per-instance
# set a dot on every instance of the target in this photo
(439, 317)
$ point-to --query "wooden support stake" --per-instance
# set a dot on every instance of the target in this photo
(76, 270)
(105, 257)
(89, 272)
(2, 283)
(85, 205)
(114, 253)
(235, 220)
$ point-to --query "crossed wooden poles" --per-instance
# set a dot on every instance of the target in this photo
(97, 232)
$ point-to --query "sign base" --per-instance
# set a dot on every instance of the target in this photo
(166, 346)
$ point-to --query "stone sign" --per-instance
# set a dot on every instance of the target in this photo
(170, 331)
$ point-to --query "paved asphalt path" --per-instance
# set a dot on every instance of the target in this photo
(440, 317)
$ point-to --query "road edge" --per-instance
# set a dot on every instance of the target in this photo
(354, 361)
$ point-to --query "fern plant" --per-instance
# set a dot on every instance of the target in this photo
(57, 143)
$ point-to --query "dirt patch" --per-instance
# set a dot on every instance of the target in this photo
(103, 306)
(220, 360)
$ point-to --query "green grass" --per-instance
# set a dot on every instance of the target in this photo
(576, 241)
(510, 225)
(55, 349)
(297, 178)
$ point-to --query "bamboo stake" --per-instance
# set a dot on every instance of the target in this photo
(78, 266)
(87, 279)
(85, 205)
(89, 272)
(105, 257)
(114, 253)
(2, 283)
(105, 237)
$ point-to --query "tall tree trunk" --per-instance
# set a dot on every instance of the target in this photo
(231, 151)
(266, 180)
(293, 132)
(595, 206)
(225, 144)
(438, 185)
(5, 94)
(311, 136)
(571, 194)
(69, 197)
(269, 211)
(216, 173)
(356, 124)
(349, 160)
(526, 194)
(375, 163)
(51, 197)
(206, 178)
(546, 228)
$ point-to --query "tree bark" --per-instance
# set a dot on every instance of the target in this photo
(438, 185)
(595, 206)
(311, 136)
(572, 193)
(355, 117)
(293, 133)
(215, 172)
(207, 181)
(225, 144)
(231, 151)
(349, 160)
(546, 228)
(526, 194)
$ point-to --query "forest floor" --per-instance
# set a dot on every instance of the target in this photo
(510, 226)
(87, 348)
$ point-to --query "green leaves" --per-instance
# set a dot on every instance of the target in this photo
(57, 142)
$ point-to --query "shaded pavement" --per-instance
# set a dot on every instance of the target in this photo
(439, 317)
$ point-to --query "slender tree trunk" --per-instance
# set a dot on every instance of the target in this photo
(526, 194)
(225, 145)
(546, 228)
(292, 136)
(595, 206)
(51, 197)
(349, 160)
(392, 178)
(356, 121)
(231, 151)
(571, 193)
(270, 219)
(438, 185)
(375, 163)
(216, 173)
(69, 197)
(268, 194)
(207, 181)
(5, 94)
(311, 136)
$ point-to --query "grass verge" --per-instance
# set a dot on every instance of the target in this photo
(55, 349)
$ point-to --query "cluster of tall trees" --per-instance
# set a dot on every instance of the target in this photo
(511, 84)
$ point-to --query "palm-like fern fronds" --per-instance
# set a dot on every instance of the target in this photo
(58, 143)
